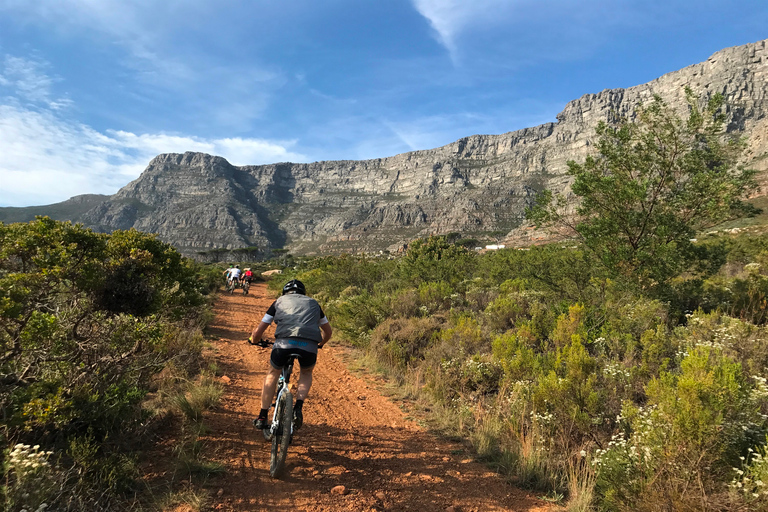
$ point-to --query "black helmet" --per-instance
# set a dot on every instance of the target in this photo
(294, 286)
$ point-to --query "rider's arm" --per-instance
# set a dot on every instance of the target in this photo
(268, 318)
(326, 332)
(259, 331)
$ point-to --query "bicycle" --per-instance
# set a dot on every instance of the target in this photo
(233, 284)
(246, 286)
(280, 431)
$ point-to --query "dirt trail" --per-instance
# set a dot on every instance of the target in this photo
(352, 436)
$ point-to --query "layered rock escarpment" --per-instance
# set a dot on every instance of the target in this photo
(478, 185)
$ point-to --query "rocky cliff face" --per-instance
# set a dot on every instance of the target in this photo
(476, 185)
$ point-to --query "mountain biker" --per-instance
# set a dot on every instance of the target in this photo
(301, 328)
(234, 274)
(248, 275)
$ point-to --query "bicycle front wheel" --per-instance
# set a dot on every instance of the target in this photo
(282, 437)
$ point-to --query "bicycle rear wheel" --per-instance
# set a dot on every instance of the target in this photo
(282, 437)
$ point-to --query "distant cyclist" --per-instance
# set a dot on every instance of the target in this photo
(301, 328)
(234, 274)
(247, 275)
(227, 273)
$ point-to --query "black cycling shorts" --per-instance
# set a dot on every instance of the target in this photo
(279, 358)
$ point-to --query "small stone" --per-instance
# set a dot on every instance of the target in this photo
(446, 459)
(224, 379)
(380, 495)
(408, 473)
(220, 493)
(466, 461)
(339, 489)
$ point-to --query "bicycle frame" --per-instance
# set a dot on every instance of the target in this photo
(282, 387)
(280, 431)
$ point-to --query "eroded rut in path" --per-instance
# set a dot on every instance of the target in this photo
(352, 436)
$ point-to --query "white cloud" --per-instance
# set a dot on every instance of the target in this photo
(25, 80)
(450, 17)
(44, 158)
(530, 28)
(153, 40)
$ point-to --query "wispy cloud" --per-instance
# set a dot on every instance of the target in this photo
(154, 43)
(25, 80)
(450, 17)
(530, 28)
(47, 156)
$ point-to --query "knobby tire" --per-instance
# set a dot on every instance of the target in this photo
(281, 438)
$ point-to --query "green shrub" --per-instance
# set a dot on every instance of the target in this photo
(86, 322)
(517, 356)
(750, 481)
(435, 297)
(571, 394)
(504, 312)
(568, 326)
(402, 342)
(357, 314)
(469, 378)
(679, 449)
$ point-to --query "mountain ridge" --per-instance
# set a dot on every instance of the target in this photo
(478, 185)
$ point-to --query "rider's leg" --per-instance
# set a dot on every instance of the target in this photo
(270, 383)
(305, 382)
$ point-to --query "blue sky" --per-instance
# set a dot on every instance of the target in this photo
(91, 90)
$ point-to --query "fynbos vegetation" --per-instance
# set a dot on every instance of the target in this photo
(87, 322)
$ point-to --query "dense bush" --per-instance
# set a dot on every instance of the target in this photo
(86, 322)
(572, 381)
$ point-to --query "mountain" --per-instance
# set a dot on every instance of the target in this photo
(72, 209)
(478, 186)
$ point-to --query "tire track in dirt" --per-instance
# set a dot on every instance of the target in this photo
(352, 436)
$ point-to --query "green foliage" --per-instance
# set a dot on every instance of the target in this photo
(86, 321)
(435, 259)
(570, 395)
(654, 182)
(701, 418)
(402, 342)
(750, 482)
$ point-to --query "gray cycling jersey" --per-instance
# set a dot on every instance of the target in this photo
(298, 318)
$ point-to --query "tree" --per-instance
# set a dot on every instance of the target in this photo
(436, 259)
(655, 181)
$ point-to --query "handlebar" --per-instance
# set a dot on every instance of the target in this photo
(261, 343)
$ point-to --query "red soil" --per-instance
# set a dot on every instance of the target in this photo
(352, 437)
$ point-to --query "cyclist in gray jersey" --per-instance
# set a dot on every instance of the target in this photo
(301, 328)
